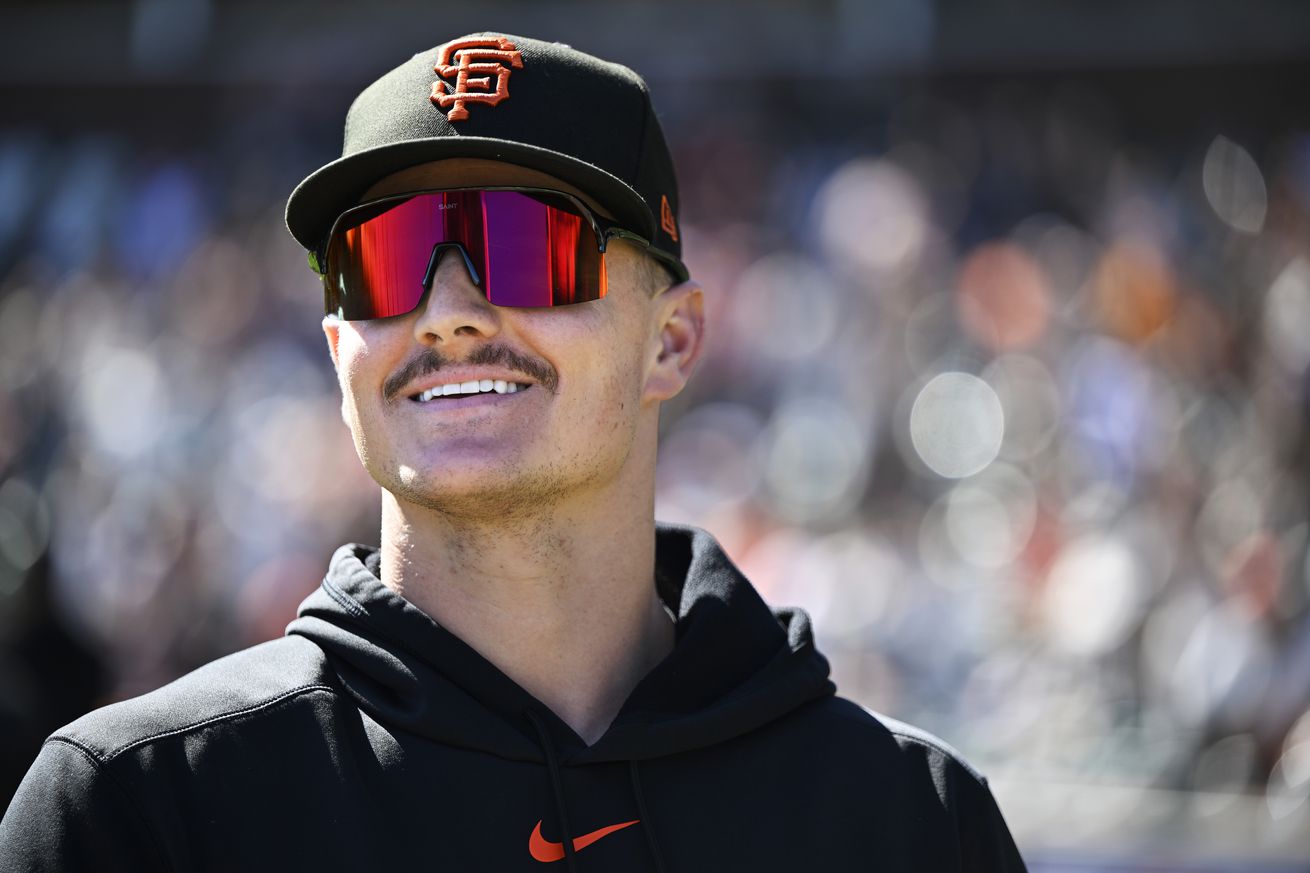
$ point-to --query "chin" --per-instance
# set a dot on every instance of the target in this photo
(494, 494)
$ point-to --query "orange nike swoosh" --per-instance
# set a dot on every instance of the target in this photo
(545, 851)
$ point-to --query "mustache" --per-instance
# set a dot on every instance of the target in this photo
(432, 361)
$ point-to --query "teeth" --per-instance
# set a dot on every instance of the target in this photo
(478, 386)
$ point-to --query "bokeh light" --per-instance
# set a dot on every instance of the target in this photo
(1003, 301)
(1234, 186)
(1286, 314)
(1135, 291)
(990, 517)
(813, 456)
(1094, 596)
(872, 217)
(957, 424)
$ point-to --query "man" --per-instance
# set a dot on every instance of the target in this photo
(528, 670)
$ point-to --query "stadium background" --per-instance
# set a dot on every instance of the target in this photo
(1007, 381)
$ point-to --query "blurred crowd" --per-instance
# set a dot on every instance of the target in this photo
(1010, 400)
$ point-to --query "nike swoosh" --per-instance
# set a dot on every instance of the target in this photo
(546, 851)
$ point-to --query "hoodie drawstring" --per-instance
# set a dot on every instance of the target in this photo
(558, 784)
(645, 817)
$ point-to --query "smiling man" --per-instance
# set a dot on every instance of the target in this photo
(528, 670)
(515, 446)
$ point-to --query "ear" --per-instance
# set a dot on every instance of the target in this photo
(680, 322)
(332, 329)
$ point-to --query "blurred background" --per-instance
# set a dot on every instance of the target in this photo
(1006, 385)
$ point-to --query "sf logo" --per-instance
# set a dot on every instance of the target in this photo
(473, 62)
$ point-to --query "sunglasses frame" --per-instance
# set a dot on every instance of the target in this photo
(603, 229)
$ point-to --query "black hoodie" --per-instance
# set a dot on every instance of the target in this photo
(369, 738)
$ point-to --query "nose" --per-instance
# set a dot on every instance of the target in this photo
(453, 306)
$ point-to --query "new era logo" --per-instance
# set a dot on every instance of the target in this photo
(472, 62)
(667, 222)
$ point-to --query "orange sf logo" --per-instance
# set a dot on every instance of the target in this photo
(472, 61)
(667, 221)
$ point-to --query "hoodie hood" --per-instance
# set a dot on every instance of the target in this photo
(736, 663)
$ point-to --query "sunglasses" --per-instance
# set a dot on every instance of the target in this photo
(523, 247)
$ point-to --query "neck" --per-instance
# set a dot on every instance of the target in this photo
(561, 600)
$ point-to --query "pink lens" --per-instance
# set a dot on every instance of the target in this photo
(529, 249)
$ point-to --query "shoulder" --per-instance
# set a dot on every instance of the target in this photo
(251, 683)
(913, 777)
(894, 748)
(100, 785)
(915, 741)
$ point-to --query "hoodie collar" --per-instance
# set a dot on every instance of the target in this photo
(736, 663)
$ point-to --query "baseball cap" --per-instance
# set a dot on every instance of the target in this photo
(542, 105)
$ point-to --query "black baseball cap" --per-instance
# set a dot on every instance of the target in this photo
(507, 98)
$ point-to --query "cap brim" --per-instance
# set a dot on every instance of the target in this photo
(335, 187)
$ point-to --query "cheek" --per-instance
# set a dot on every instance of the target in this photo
(608, 362)
(352, 351)
(358, 379)
(617, 385)
(348, 373)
